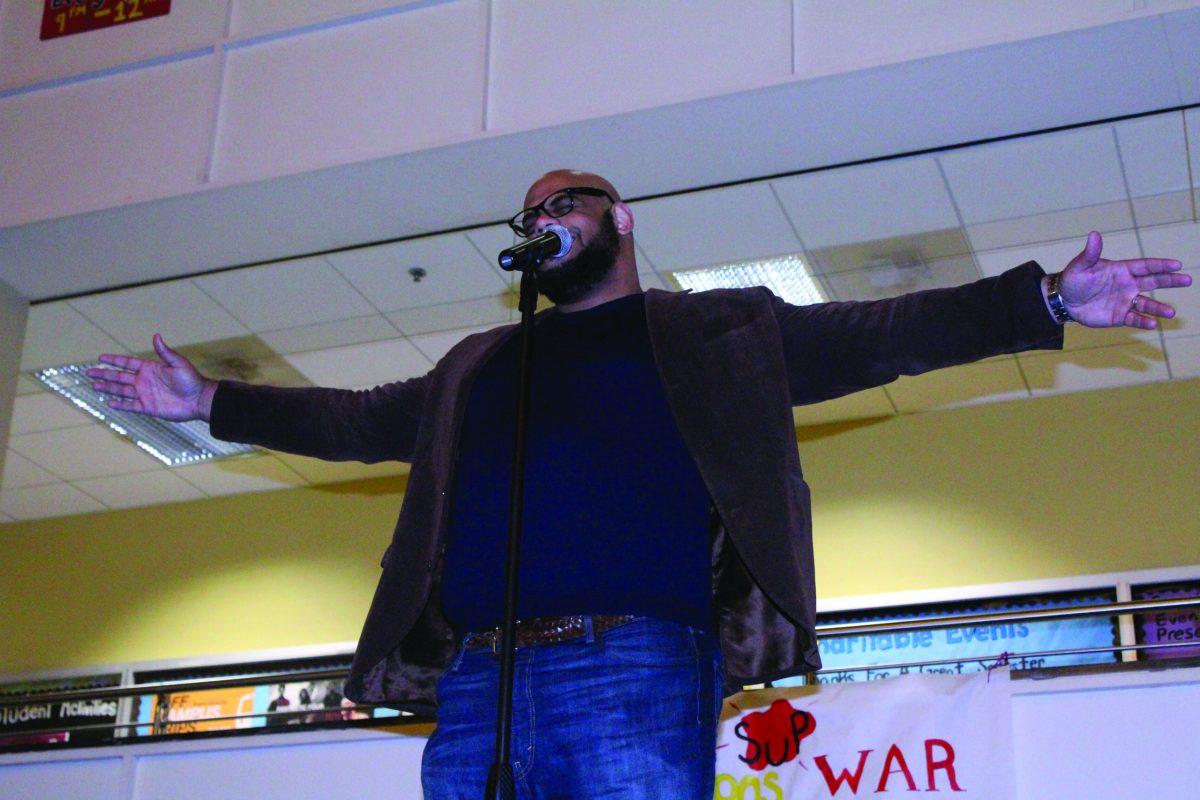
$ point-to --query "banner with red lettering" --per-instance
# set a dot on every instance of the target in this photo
(933, 734)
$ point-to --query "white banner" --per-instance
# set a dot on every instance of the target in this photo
(933, 734)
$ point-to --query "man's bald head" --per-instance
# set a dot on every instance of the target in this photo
(557, 179)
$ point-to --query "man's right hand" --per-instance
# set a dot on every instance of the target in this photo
(171, 389)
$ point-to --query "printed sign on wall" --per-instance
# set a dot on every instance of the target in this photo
(929, 734)
(68, 17)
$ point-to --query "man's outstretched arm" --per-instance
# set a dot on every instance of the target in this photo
(333, 424)
(833, 349)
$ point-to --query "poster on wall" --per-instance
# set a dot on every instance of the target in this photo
(50, 723)
(69, 17)
(935, 735)
(269, 705)
(1175, 626)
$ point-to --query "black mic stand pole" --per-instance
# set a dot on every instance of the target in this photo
(501, 782)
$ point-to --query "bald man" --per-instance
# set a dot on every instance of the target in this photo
(667, 551)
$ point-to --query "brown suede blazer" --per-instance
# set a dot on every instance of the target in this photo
(732, 363)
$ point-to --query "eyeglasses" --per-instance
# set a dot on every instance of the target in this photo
(556, 205)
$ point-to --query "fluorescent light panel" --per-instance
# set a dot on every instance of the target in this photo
(786, 276)
(172, 443)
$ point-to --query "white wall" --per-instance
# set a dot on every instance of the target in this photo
(226, 92)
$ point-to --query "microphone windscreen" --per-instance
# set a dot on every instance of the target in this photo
(564, 237)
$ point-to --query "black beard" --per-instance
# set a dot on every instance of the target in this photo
(573, 279)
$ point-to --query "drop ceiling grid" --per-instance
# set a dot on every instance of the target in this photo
(177, 309)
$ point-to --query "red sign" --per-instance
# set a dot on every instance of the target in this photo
(68, 17)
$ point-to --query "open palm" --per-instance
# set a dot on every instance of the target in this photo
(1101, 293)
(171, 389)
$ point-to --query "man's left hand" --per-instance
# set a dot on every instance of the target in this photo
(1100, 293)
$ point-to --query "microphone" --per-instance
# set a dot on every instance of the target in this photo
(553, 243)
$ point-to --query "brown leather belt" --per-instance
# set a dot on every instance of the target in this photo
(548, 630)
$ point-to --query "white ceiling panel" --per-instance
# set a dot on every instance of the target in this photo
(860, 204)
(860, 405)
(56, 334)
(490, 241)
(88, 452)
(177, 309)
(1054, 256)
(20, 472)
(495, 310)
(454, 270)
(356, 365)
(316, 471)
(1026, 177)
(54, 500)
(436, 345)
(713, 227)
(329, 334)
(652, 280)
(880, 282)
(284, 295)
(1184, 356)
(1181, 242)
(1053, 225)
(1154, 151)
(145, 489)
(995, 380)
(1192, 117)
(257, 473)
(27, 385)
(45, 411)
(1098, 368)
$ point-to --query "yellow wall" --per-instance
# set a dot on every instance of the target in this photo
(1078, 484)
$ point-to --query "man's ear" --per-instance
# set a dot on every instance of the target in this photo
(622, 218)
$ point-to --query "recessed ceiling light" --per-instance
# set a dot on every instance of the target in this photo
(173, 443)
(787, 276)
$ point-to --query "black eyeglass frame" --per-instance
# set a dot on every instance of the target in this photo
(571, 191)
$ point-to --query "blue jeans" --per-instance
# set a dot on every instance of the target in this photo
(627, 713)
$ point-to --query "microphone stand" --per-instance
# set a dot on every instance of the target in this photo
(501, 782)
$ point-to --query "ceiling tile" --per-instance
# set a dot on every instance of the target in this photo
(874, 284)
(1072, 223)
(355, 365)
(316, 471)
(92, 451)
(329, 334)
(46, 411)
(454, 270)
(256, 473)
(56, 334)
(713, 227)
(875, 201)
(1154, 152)
(147, 489)
(39, 502)
(1180, 242)
(1036, 175)
(495, 310)
(274, 296)
(652, 280)
(1184, 356)
(436, 345)
(1053, 256)
(27, 385)
(490, 241)
(968, 384)
(860, 405)
(177, 309)
(20, 472)
(1192, 117)
(886, 252)
(1098, 368)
